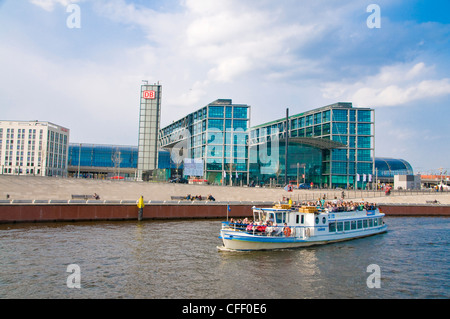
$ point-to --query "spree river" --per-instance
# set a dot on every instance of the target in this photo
(179, 259)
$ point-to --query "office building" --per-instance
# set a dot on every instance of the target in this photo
(332, 146)
(212, 141)
(33, 148)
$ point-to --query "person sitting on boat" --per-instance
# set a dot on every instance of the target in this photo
(269, 229)
(277, 230)
(286, 230)
(260, 227)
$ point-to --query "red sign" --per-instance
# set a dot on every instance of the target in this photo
(149, 95)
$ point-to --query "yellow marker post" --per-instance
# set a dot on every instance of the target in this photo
(140, 206)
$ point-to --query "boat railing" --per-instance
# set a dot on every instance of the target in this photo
(264, 230)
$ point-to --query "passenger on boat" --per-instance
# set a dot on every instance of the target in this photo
(286, 230)
(269, 229)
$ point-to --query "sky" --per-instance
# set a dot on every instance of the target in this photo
(80, 64)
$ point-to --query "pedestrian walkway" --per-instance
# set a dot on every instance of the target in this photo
(46, 188)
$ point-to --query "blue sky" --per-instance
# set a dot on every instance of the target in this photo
(268, 54)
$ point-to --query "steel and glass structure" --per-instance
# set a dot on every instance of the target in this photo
(387, 168)
(332, 146)
(102, 161)
(217, 136)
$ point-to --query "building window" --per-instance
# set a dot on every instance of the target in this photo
(216, 111)
(340, 115)
(364, 129)
(364, 115)
(240, 112)
(364, 141)
(318, 118)
(217, 124)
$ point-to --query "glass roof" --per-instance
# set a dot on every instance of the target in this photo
(389, 167)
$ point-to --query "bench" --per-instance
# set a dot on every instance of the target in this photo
(85, 197)
(184, 198)
(177, 197)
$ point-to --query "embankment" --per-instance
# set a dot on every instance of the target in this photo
(72, 211)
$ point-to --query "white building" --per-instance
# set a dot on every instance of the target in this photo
(407, 181)
(33, 148)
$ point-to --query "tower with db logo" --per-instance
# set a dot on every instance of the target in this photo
(149, 122)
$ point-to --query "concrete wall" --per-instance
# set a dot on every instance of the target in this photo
(58, 212)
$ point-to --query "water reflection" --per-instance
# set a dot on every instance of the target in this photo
(179, 259)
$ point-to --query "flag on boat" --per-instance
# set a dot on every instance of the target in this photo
(229, 209)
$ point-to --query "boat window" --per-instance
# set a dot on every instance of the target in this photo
(270, 217)
(339, 226)
(332, 227)
(365, 223)
(359, 224)
(324, 220)
(375, 222)
(297, 218)
(346, 225)
(280, 218)
(370, 222)
(353, 224)
(317, 220)
(302, 221)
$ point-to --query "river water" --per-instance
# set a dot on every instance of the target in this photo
(179, 259)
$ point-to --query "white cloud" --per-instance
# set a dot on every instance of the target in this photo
(49, 5)
(393, 85)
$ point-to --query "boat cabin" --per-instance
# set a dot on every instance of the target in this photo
(318, 222)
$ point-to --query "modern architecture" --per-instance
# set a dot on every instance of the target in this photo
(332, 146)
(33, 148)
(212, 141)
(149, 121)
(101, 161)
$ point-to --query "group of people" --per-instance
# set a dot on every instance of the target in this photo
(268, 227)
(200, 197)
(349, 206)
(337, 205)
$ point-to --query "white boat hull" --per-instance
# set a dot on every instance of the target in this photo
(234, 240)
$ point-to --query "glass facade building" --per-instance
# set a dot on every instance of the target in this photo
(105, 161)
(387, 168)
(102, 161)
(217, 135)
(332, 146)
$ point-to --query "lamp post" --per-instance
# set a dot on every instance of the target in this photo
(79, 160)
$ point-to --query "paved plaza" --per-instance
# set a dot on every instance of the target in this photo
(48, 188)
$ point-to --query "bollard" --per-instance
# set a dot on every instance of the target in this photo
(140, 206)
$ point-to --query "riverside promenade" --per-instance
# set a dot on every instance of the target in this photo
(49, 188)
(26, 198)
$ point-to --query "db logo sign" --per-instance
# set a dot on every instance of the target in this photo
(149, 95)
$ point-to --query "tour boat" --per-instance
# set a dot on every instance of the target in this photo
(283, 226)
